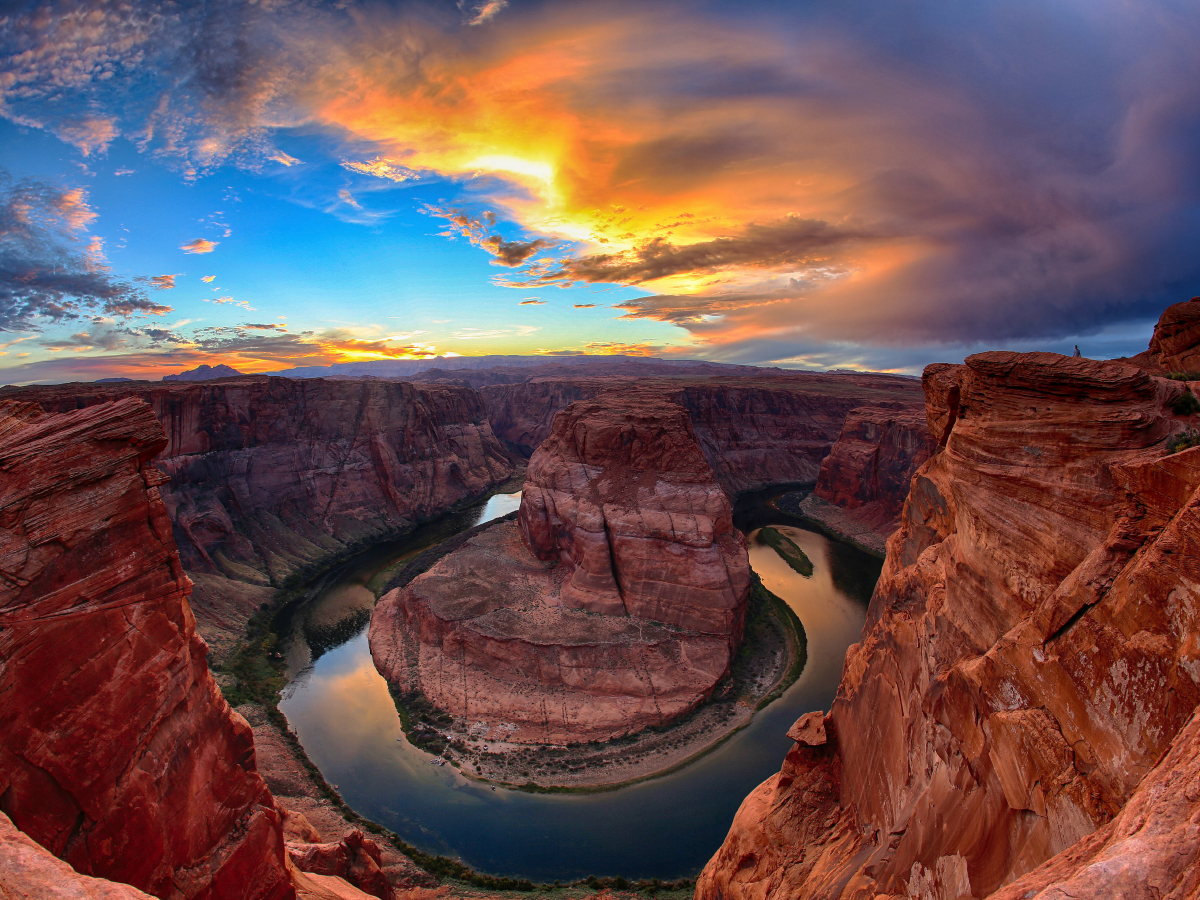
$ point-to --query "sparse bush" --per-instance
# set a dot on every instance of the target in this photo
(1183, 440)
(1184, 376)
(1185, 404)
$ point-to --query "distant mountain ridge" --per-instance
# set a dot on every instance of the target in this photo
(203, 373)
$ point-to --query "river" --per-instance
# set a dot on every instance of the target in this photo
(665, 828)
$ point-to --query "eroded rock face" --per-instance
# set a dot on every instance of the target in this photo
(117, 751)
(615, 603)
(622, 496)
(868, 470)
(1030, 654)
(1175, 346)
(269, 474)
(29, 872)
(754, 431)
(355, 858)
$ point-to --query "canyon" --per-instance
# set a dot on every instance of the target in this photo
(613, 603)
(1019, 719)
(754, 430)
(123, 770)
(268, 476)
(863, 482)
(119, 754)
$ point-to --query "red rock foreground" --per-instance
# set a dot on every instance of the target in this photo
(1019, 719)
(118, 754)
(117, 751)
(614, 603)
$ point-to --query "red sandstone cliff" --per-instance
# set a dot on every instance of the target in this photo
(864, 480)
(554, 632)
(268, 474)
(117, 752)
(754, 430)
(1175, 346)
(1029, 668)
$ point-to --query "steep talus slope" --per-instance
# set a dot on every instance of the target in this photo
(614, 603)
(117, 751)
(755, 430)
(1030, 656)
(864, 480)
(269, 474)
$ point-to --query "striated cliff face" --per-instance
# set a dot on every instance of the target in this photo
(1175, 346)
(621, 496)
(1022, 694)
(268, 474)
(754, 430)
(864, 480)
(117, 752)
(551, 630)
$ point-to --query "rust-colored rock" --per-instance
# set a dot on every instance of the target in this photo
(621, 495)
(1030, 655)
(868, 470)
(355, 858)
(1175, 346)
(754, 430)
(117, 752)
(28, 871)
(633, 621)
(267, 475)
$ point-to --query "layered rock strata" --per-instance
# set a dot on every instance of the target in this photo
(267, 475)
(754, 430)
(864, 480)
(614, 603)
(1029, 668)
(1175, 345)
(117, 752)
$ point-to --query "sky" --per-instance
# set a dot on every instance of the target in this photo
(871, 185)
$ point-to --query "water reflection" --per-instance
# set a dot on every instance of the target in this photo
(666, 828)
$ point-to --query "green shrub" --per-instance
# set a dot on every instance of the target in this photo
(1185, 404)
(1184, 376)
(1183, 440)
